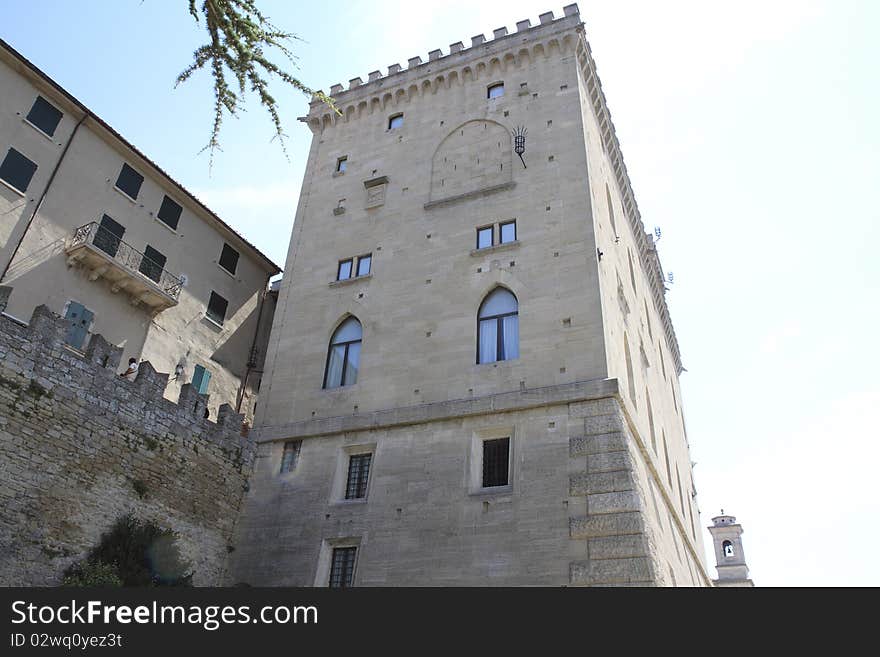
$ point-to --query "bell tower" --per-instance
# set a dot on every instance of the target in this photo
(730, 560)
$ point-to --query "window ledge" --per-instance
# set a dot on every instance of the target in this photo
(347, 281)
(132, 200)
(212, 322)
(14, 189)
(228, 273)
(494, 249)
(493, 491)
(45, 134)
(355, 502)
(167, 227)
(336, 174)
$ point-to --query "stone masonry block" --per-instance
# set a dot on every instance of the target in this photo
(609, 462)
(607, 406)
(611, 571)
(615, 502)
(618, 547)
(102, 353)
(608, 524)
(582, 483)
(597, 444)
(603, 424)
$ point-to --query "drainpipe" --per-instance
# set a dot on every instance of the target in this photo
(42, 196)
(249, 365)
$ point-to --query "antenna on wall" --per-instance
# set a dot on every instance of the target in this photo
(519, 143)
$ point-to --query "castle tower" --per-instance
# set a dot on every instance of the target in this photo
(730, 560)
(472, 376)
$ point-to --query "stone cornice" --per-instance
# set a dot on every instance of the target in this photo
(516, 400)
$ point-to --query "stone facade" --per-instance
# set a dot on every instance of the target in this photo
(600, 489)
(81, 446)
(50, 258)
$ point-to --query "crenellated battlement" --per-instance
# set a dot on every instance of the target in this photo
(81, 446)
(441, 71)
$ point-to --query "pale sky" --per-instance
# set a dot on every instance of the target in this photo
(750, 132)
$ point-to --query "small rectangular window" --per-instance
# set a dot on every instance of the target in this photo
(217, 307)
(344, 271)
(395, 121)
(169, 213)
(17, 170)
(358, 476)
(341, 164)
(45, 116)
(229, 258)
(201, 379)
(507, 232)
(364, 264)
(291, 455)
(496, 455)
(496, 90)
(152, 264)
(129, 182)
(484, 237)
(342, 567)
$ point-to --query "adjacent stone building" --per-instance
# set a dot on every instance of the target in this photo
(95, 230)
(472, 376)
(81, 446)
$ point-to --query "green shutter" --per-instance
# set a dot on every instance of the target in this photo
(201, 379)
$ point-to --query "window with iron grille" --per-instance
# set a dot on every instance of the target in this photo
(217, 306)
(169, 212)
(44, 116)
(358, 476)
(152, 264)
(17, 170)
(496, 455)
(129, 182)
(291, 455)
(229, 258)
(342, 567)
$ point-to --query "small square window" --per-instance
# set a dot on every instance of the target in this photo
(395, 121)
(364, 264)
(484, 237)
(217, 307)
(44, 115)
(342, 567)
(341, 164)
(358, 476)
(152, 264)
(344, 271)
(508, 232)
(229, 258)
(495, 90)
(129, 182)
(290, 457)
(169, 212)
(496, 458)
(17, 170)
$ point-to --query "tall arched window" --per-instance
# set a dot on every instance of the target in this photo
(344, 355)
(727, 547)
(498, 327)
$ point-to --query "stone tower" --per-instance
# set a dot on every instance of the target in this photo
(730, 560)
(472, 376)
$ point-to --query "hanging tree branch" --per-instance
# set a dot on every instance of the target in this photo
(239, 35)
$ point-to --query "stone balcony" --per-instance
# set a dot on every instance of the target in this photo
(106, 256)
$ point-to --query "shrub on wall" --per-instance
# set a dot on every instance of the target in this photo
(138, 553)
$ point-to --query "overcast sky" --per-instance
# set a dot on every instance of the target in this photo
(750, 132)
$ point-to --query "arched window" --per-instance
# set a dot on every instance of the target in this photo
(727, 548)
(344, 355)
(495, 90)
(498, 327)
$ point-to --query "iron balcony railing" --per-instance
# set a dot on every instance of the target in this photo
(127, 256)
